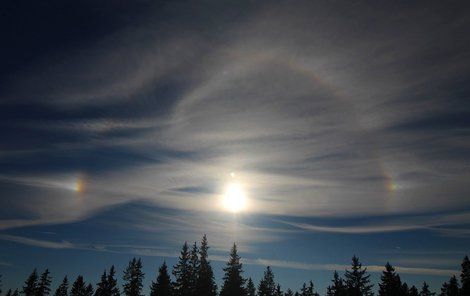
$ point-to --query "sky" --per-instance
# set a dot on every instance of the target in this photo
(344, 125)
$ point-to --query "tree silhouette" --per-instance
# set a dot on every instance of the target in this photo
(250, 288)
(451, 288)
(289, 293)
(133, 277)
(108, 284)
(278, 290)
(465, 277)
(390, 284)
(404, 289)
(12, 293)
(234, 283)
(162, 286)
(194, 269)
(62, 290)
(357, 279)
(308, 290)
(425, 290)
(1, 285)
(79, 288)
(267, 286)
(206, 284)
(44, 285)
(337, 288)
(31, 284)
(182, 273)
(413, 291)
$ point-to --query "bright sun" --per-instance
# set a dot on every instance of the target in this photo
(234, 199)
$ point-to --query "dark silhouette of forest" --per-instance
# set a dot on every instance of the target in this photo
(193, 276)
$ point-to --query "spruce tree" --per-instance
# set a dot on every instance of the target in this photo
(133, 277)
(62, 290)
(31, 284)
(79, 287)
(465, 277)
(357, 280)
(8, 292)
(162, 286)
(308, 290)
(404, 289)
(451, 288)
(390, 284)
(194, 269)
(16, 293)
(89, 290)
(234, 283)
(182, 273)
(113, 288)
(413, 291)
(250, 288)
(425, 290)
(206, 284)
(108, 284)
(278, 290)
(289, 293)
(337, 288)
(44, 285)
(102, 285)
(267, 286)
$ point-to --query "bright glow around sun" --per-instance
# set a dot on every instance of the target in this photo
(234, 199)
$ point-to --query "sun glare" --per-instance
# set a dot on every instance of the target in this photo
(234, 199)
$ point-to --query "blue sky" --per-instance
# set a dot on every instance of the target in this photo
(346, 126)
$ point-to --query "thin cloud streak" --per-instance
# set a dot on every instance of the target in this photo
(146, 251)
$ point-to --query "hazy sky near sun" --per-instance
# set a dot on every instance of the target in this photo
(345, 124)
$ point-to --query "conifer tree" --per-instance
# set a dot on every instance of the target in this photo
(404, 289)
(79, 288)
(390, 284)
(31, 284)
(113, 288)
(102, 285)
(425, 290)
(8, 292)
(16, 293)
(250, 288)
(289, 293)
(451, 288)
(108, 284)
(234, 283)
(413, 291)
(278, 290)
(308, 290)
(44, 285)
(89, 290)
(337, 288)
(194, 269)
(267, 286)
(162, 286)
(206, 284)
(182, 273)
(357, 279)
(62, 290)
(133, 277)
(465, 277)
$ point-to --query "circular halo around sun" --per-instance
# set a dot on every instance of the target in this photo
(234, 198)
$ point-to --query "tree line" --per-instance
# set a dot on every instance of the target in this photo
(193, 276)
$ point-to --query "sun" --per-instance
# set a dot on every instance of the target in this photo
(234, 199)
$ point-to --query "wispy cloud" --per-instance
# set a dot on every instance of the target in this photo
(155, 252)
